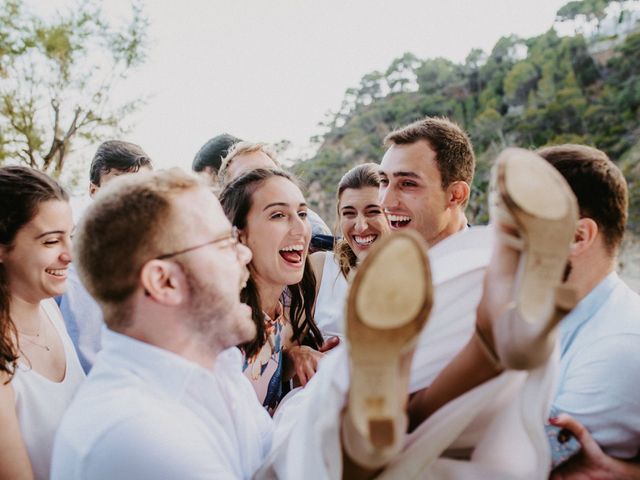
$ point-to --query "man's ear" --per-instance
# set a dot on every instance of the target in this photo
(164, 282)
(458, 193)
(93, 189)
(586, 233)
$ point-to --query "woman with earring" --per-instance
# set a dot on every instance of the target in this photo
(270, 213)
(39, 369)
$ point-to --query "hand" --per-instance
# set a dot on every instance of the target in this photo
(329, 343)
(591, 463)
(304, 362)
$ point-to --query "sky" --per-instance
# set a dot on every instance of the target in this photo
(268, 70)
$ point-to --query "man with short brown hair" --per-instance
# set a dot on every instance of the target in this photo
(426, 178)
(600, 338)
(166, 397)
(82, 315)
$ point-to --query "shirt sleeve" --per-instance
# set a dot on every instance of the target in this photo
(601, 390)
(155, 446)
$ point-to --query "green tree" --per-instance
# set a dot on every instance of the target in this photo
(57, 77)
(401, 74)
(520, 80)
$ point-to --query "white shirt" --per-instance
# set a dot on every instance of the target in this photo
(503, 419)
(146, 413)
(332, 295)
(41, 403)
(458, 265)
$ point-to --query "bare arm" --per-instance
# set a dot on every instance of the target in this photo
(14, 460)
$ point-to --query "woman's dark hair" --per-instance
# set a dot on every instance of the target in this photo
(22, 190)
(361, 176)
(236, 200)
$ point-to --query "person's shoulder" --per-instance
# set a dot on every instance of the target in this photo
(7, 395)
(610, 356)
(317, 260)
(619, 315)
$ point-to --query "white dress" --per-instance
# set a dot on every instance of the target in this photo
(494, 431)
(332, 294)
(41, 402)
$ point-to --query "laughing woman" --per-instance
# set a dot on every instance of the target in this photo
(39, 369)
(362, 222)
(270, 213)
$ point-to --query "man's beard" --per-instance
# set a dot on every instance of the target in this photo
(207, 308)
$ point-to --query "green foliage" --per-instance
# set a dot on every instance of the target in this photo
(56, 80)
(531, 92)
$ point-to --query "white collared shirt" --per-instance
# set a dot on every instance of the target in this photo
(145, 412)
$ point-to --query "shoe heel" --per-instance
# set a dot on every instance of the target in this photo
(387, 307)
(532, 198)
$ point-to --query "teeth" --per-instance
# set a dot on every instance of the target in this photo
(292, 248)
(398, 218)
(368, 240)
(61, 272)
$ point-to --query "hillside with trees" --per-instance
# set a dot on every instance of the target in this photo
(528, 92)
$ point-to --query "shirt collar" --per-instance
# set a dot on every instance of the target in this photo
(586, 308)
(165, 369)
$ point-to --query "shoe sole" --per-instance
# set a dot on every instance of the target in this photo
(543, 209)
(387, 307)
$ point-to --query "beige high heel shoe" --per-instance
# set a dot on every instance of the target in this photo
(388, 305)
(530, 197)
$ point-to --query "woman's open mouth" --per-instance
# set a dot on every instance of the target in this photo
(292, 254)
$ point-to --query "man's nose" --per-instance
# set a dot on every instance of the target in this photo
(387, 197)
(244, 253)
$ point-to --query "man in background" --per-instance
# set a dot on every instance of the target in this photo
(82, 315)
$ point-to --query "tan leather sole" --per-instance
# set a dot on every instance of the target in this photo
(532, 198)
(388, 305)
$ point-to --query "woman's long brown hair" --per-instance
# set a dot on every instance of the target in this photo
(236, 200)
(22, 190)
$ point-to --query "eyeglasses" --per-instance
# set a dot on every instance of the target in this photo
(232, 237)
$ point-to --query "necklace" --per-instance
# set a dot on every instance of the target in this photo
(43, 345)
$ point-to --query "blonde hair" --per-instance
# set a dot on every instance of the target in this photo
(242, 148)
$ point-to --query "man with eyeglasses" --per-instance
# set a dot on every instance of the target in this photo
(166, 397)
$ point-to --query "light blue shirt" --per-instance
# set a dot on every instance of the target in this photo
(599, 381)
(83, 319)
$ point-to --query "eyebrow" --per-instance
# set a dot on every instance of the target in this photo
(281, 204)
(404, 174)
(50, 233)
(371, 205)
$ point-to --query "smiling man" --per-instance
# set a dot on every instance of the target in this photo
(426, 176)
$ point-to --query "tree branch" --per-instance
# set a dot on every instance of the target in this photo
(54, 141)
